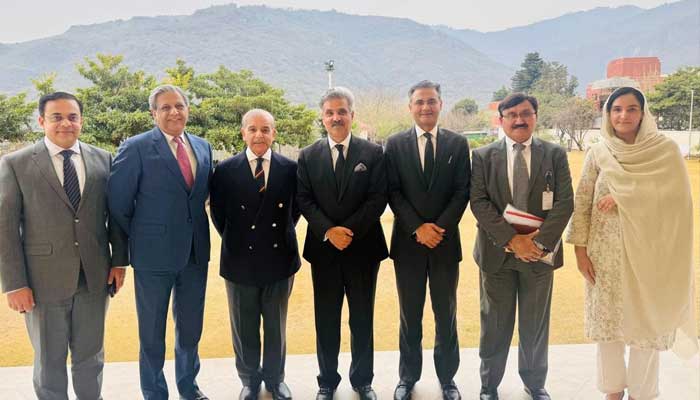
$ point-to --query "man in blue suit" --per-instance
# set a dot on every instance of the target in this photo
(157, 191)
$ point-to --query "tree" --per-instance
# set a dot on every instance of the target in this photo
(44, 84)
(500, 94)
(670, 100)
(555, 79)
(381, 114)
(115, 106)
(466, 106)
(575, 119)
(180, 75)
(221, 98)
(530, 71)
(15, 117)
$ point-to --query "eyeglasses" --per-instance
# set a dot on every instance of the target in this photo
(56, 118)
(522, 115)
(432, 102)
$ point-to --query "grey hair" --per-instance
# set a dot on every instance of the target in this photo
(338, 92)
(256, 111)
(165, 89)
(425, 84)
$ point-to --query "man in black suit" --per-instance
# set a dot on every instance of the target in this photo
(428, 173)
(342, 193)
(254, 209)
(532, 175)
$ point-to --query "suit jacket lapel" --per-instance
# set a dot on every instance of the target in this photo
(42, 159)
(500, 161)
(89, 164)
(163, 150)
(353, 155)
(536, 157)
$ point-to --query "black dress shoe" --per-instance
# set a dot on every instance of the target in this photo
(488, 394)
(366, 392)
(403, 390)
(325, 393)
(538, 394)
(450, 391)
(249, 393)
(196, 395)
(280, 391)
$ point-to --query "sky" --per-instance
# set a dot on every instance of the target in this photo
(22, 20)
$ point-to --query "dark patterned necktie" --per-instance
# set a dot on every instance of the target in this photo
(429, 157)
(260, 176)
(339, 167)
(521, 179)
(70, 179)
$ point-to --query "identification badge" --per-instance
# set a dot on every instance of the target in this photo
(547, 200)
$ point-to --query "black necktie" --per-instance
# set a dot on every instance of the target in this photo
(429, 158)
(260, 176)
(70, 179)
(339, 167)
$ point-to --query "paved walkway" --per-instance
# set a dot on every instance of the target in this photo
(571, 377)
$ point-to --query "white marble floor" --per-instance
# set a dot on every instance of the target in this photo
(571, 377)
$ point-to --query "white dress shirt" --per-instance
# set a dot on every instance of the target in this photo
(253, 161)
(57, 161)
(334, 151)
(190, 154)
(511, 157)
(422, 141)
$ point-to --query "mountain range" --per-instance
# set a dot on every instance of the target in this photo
(288, 48)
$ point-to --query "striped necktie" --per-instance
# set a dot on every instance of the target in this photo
(70, 179)
(260, 176)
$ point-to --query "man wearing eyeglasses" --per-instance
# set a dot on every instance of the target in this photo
(157, 192)
(533, 176)
(55, 256)
(428, 173)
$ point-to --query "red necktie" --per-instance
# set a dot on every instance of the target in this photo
(184, 162)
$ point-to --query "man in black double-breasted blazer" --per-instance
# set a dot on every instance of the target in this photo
(428, 174)
(254, 209)
(342, 193)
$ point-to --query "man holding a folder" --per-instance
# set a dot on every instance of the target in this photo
(516, 262)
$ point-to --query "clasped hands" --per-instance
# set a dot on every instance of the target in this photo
(525, 248)
(340, 237)
(430, 235)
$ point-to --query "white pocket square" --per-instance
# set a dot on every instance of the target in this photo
(360, 167)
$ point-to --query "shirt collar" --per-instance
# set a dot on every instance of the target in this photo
(420, 131)
(252, 157)
(510, 142)
(169, 138)
(345, 142)
(56, 149)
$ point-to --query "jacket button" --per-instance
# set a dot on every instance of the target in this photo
(274, 245)
(252, 227)
(274, 225)
(242, 207)
(76, 244)
(189, 220)
(250, 247)
(76, 220)
(280, 205)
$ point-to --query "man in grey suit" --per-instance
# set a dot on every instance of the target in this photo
(532, 175)
(55, 258)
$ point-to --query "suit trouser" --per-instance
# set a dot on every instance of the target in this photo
(77, 323)
(411, 280)
(640, 376)
(153, 289)
(331, 282)
(532, 288)
(246, 305)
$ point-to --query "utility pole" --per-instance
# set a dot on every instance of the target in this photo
(330, 67)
